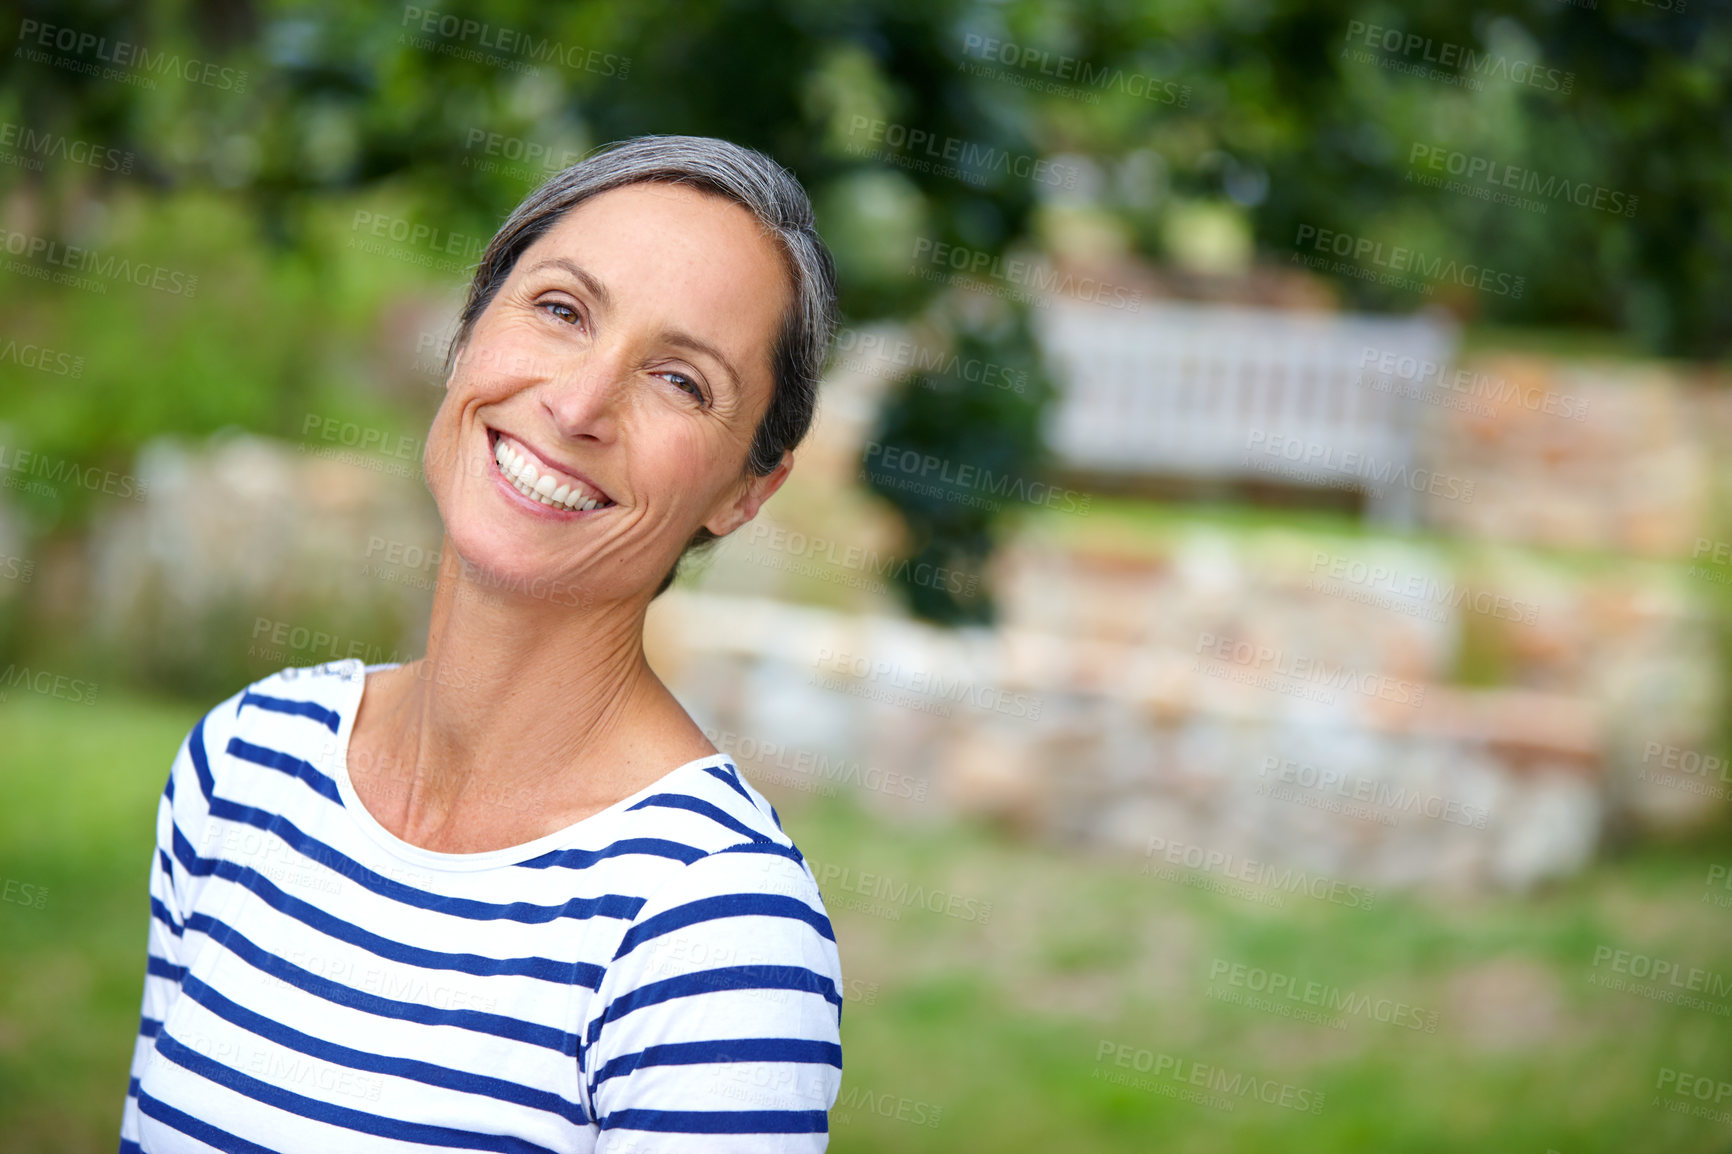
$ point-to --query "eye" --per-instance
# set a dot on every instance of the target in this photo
(685, 384)
(563, 311)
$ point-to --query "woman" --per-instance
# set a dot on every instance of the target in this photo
(507, 896)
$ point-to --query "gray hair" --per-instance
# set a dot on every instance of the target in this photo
(741, 175)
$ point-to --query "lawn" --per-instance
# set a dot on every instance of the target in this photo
(1055, 1002)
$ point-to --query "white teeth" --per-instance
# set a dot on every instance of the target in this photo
(543, 487)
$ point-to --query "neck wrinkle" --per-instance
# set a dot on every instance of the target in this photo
(515, 699)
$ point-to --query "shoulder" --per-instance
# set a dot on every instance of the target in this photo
(743, 878)
(300, 708)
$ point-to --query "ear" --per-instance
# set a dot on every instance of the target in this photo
(755, 492)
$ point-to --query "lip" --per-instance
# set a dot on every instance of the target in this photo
(555, 467)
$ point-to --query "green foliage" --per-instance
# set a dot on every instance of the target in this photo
(1199, 130)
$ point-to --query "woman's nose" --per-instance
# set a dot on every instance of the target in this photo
(584, 397)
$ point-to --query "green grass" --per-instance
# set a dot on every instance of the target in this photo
(989, 1022)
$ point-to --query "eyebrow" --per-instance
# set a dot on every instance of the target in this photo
(595, 287)
(686, 340)
(674, 337)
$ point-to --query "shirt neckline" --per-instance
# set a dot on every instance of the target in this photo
(354, 677)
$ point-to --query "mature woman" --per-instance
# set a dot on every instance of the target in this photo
(507, 897)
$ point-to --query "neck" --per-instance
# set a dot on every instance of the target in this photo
(525, 704)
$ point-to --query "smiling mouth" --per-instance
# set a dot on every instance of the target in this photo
(541, 482)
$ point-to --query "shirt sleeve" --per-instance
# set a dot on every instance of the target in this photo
(181, 815)
(720, 1020)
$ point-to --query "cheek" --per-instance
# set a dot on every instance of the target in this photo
(680, 463)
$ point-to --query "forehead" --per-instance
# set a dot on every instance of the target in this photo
(687, 257)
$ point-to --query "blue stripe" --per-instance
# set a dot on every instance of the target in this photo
(147, 1027)
(342, 1116)
(699, 806)
(418, 1071)
(585, 974)
(163, 968)
(718, 980)
(724, 1050)
(605, 906)
(720, 1121)
(201, 760)
(481, 1022)
(161, 914)
(579, 859)
(193, 1128)
(770, 847)
(726, 776)
(329, 718)
(128, 1146)
(723, 906)
(293, 766)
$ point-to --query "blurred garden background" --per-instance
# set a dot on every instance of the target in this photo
(1244, 649)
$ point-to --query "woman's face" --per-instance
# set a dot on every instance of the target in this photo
(625, 363)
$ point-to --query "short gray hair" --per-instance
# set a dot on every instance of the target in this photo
(747, 178)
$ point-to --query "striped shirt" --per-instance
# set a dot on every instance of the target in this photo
(659, 976)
